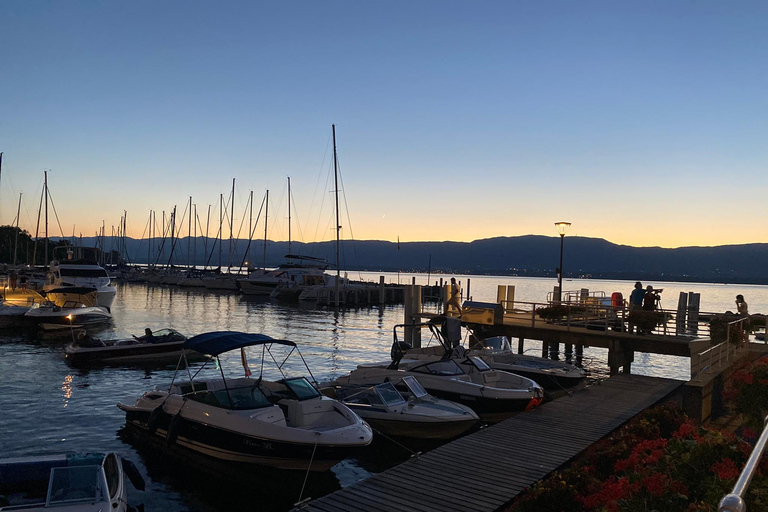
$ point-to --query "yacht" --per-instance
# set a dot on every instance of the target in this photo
(282, 422)
(290, 277)
(79, 268)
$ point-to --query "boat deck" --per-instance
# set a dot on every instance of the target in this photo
(485, 470)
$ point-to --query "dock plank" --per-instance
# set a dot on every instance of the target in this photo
(498, 462)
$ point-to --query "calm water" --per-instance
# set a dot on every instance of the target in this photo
(50, 408)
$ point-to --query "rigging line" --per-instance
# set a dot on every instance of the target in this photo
(349, 217)
(322, 204)
(317, 182)
(50, 197)
(138, 246)
(250, 236)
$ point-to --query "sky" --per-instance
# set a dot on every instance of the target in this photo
(643, 123)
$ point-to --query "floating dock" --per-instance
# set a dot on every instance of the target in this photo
(484, 471)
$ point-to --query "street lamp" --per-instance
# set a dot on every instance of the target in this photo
(561, 227)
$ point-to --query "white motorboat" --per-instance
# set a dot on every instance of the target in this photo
(159, 346)
(71, 313)
(290, 277)
(408, 412)
(80, 482)
(81, 272)
(12, 315)
(284, 423)
(552, 375)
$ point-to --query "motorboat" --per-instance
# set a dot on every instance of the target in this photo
(80, 269)
(290, 277)
(496, 353)
(159, 346)
(193, 279)
(279, 421)
(79, 482)
(550, 374)
(73, 309)
(406, 412)
(12, 315)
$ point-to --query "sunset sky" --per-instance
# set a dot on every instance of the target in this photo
(644, 123)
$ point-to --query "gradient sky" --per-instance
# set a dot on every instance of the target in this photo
(644, 123)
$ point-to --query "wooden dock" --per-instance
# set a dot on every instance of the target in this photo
(484, 471)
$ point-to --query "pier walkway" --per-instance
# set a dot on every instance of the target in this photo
(483, 471)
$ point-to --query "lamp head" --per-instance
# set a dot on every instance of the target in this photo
(562, 227)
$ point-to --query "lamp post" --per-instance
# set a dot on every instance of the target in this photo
(561, 227)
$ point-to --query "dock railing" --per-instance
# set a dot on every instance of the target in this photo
(734, 502)
(721, 354)
(598, 313)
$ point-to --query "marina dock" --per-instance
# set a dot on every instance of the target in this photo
(487, 469)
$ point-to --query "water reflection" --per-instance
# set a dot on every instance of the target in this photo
(66, 387)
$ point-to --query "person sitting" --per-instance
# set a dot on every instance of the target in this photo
(148, 336)
(85, 340)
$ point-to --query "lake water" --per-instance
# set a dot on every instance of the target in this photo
(47, 407)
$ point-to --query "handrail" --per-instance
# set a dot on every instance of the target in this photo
(734, 502)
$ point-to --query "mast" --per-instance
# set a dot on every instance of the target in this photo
(45, 261)
(289, 215)
(149, 239)
(189, 234)
(194, 259)
(338, 226)
(221, 223)
(16, 243)
(266, 215)
(231, 219)
(37, 228)
(207, 225)
(250, 232)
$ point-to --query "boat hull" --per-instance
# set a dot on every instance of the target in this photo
(233, 446)
(139, 354)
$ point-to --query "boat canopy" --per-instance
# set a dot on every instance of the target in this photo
(218, 342)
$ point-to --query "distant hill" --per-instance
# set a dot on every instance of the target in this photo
(530, 255)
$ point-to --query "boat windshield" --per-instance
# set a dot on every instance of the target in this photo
(442, 367)
(416, 388)
(302, 388)
(76, 484)
(389, 395)
(497, 344)
(479, 364)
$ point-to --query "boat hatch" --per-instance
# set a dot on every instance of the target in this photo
(302, 388)
(77, 484)
(414, 386)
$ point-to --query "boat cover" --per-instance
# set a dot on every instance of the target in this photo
(218, 342)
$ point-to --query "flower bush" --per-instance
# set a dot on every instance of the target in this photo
(747, 392)
(658, 462)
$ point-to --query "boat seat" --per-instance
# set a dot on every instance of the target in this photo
(302, 413)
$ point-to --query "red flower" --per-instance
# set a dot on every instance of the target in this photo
(685, 430)
(748, 433)
(656, 484)
(725, 469)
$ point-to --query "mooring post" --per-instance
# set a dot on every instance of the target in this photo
(510, 299)
(468, 296)
(382, 294)
(619, 355)
(520, 345)
(412, 314)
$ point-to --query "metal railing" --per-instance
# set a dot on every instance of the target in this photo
(734, 502)
(596, 312)
(712, 357)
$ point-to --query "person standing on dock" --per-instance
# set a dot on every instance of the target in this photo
(453, 298)
(649, 299)
(741, 306)
(635, 304)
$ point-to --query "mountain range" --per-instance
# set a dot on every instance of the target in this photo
(529, 255)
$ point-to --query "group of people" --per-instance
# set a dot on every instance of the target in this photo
(15, 280)
(641, 299)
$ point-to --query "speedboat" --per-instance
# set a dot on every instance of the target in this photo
(158, 346)
(81, 482)
(82, 272)
(281, 422)
(12, 315)
(493, 394)
(406, 412)
(552, 375)
(50, 315)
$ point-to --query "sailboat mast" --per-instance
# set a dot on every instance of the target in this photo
(250, 231)
(266, 215)
(338, 226)
(231, 226)
(149, 239)
(189, 234)
(45, 261)
(289, 215)
(207, 226)
(37, 228)
(194, 259)
(16, 243)
(221, 223)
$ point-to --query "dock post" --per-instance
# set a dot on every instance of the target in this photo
(579, 354)
(500, 294)
(554, 350)
(382, 291)
(521, 345)
(412, 314)
(619, 355)
(694, 299)
(510, 298)
(682, 308)
(568, 350)
(468, 297)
